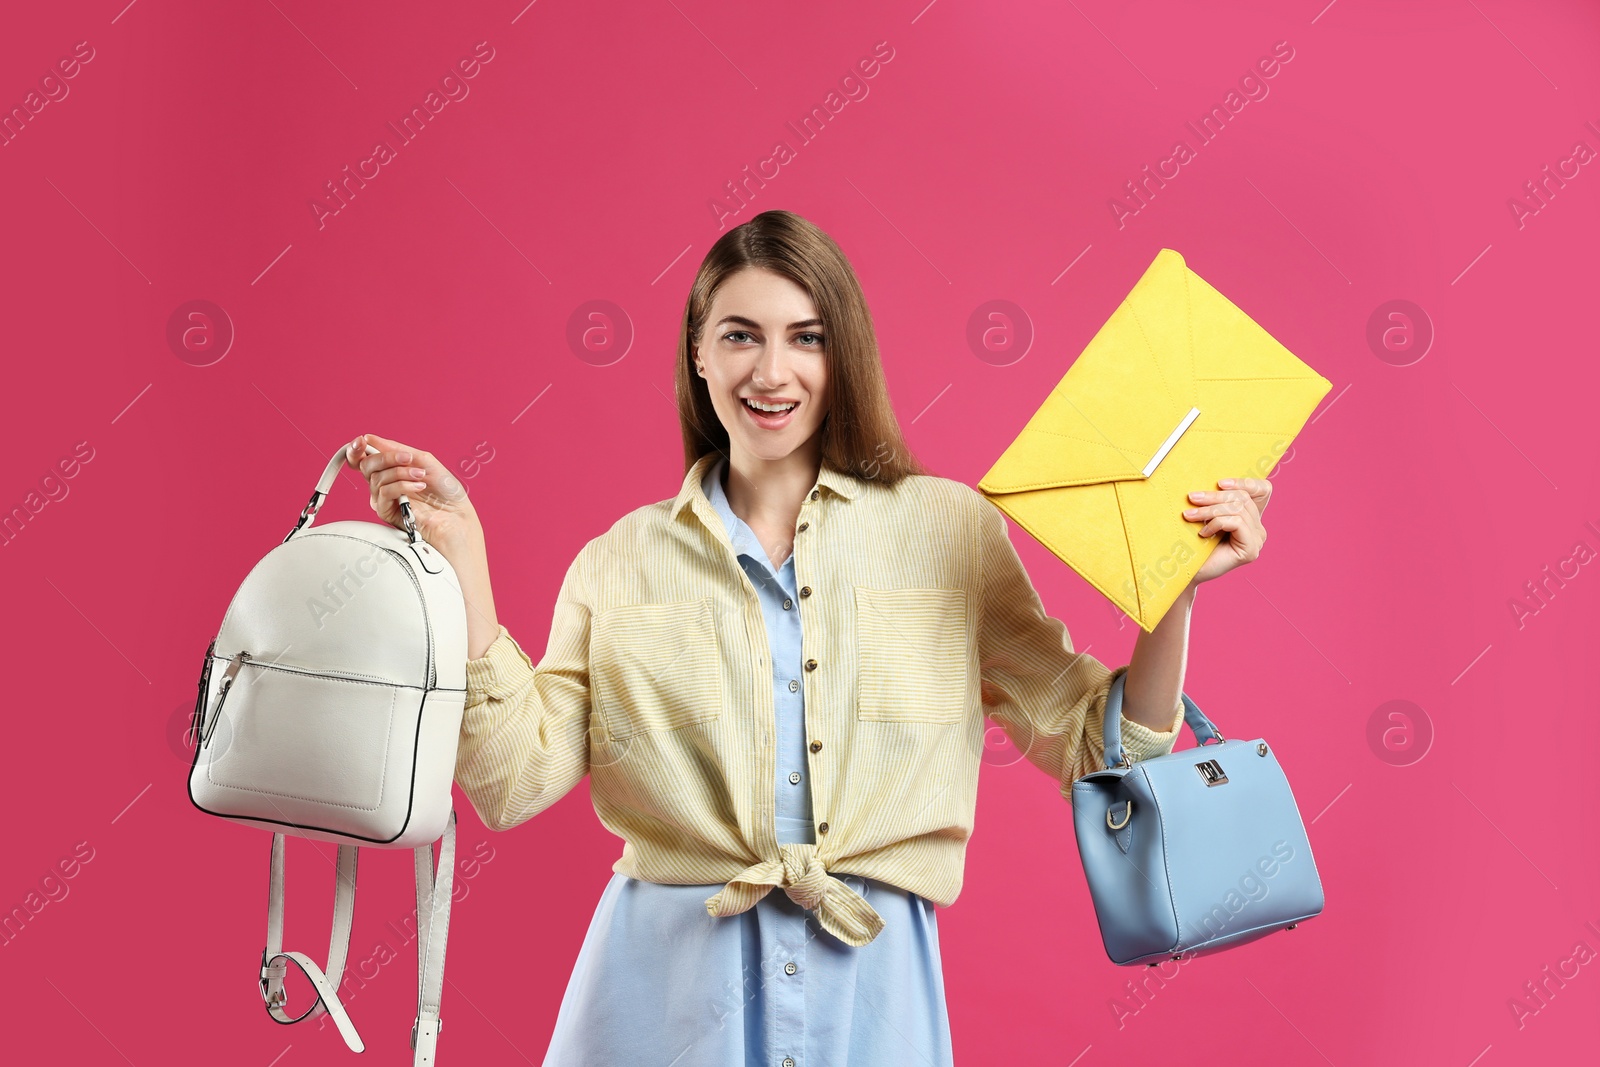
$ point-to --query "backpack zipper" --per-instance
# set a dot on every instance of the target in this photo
(245, 658)
(198, 716)
(338, 676)
(222, 695)
(427, 620)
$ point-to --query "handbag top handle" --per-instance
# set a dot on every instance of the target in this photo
(325, 483)
(1203, 729)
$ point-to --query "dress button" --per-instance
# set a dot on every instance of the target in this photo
(822, 829)
(803, 527)
(790, 968)
(816, 746)
(794, 777)
(787, 603)
(794, 685)
(805, 590)
(811, 664)
(815, 494)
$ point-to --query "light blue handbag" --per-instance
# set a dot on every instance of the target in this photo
(1194, 851)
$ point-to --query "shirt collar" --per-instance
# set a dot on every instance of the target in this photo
(739, 532)
(836, 481)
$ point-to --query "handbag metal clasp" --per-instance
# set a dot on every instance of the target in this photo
(1127, 813)
(1211, 771)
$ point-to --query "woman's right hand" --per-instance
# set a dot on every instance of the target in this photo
(439, 505)
(444, 516)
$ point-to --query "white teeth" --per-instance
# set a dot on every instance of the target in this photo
(759, 406)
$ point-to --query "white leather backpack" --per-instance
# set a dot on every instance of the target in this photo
(329, 708)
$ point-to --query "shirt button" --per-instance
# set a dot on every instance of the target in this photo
(811, 664)
(787, 603)
(794, 777)
(816, 746)
(805, 590)
(822, 829)
(794, 685)
(788, 1061)
(815, 493)
(790, 968)
(803, 527)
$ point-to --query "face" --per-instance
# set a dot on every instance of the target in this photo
(763, 343)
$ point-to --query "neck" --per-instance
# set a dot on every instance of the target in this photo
(768, 493)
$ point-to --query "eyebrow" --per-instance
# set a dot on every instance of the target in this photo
(742, 321)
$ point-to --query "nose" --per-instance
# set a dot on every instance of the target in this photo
(772, 366)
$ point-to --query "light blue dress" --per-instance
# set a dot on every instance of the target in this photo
(660, 982)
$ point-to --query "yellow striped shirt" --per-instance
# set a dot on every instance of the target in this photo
(917, 619)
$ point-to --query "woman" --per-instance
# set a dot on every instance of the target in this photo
(777, 680)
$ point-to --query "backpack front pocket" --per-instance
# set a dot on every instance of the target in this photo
(317, 738)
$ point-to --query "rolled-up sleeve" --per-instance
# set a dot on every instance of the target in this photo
(525, 729)
(1049, 699)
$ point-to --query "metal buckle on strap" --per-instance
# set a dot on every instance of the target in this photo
(438, 1028)
(273, 997)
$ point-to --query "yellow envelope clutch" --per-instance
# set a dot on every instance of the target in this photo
(1178, 389)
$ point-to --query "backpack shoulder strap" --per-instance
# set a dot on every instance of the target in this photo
(433, 927)
(434, 891)
(274, 960)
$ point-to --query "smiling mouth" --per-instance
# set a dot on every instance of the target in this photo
(771, 411)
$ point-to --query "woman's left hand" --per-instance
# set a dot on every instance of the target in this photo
(1233, 509)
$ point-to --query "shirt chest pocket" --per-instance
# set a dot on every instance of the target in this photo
(655, 667)
(913, 650)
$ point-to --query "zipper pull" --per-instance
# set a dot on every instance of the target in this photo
(197, 716)
(222, 695)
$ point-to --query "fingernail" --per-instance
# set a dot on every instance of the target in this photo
(404, 457)
(1226, 483)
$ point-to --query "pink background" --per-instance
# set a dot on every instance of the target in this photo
(434, 308)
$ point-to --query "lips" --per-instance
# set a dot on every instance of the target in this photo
(768, 420)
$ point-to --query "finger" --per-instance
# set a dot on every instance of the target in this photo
(389, 454)
(383, 444)
(355, 450)
(391, 493)
(1229, 523)
(1226, 507)
(1207, 496)
(1245, 538)
(1246, 502)
(410, 478)
(1259, 489)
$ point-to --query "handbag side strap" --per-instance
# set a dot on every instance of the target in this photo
(274, 959)
(1202, 728)
(433, 928)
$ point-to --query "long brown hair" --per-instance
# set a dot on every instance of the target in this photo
(860, 434)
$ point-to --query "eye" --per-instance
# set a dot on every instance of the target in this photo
(820, 341)
(733, 335)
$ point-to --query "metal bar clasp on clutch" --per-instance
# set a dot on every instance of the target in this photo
(1172, 439)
